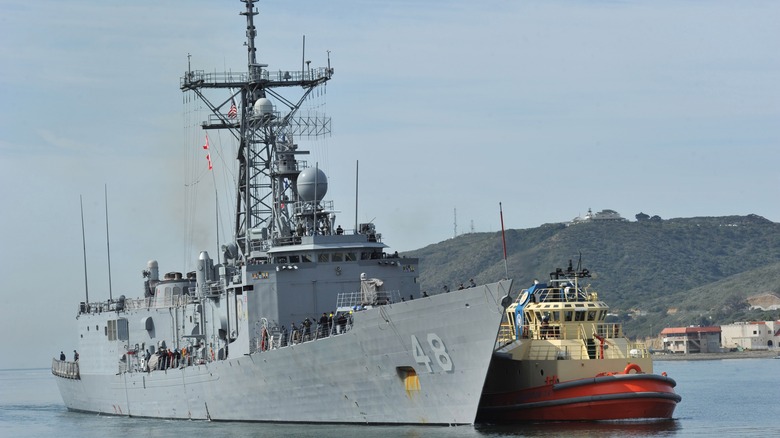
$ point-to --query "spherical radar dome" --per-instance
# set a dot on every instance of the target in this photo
(312, 184)
(263, 106)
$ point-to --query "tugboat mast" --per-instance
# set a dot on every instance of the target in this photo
(268, 205)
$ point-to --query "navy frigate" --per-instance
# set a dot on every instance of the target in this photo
(297, 319)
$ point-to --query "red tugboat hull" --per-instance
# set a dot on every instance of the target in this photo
(608, 397)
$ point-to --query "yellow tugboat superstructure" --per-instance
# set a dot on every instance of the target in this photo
(558, 358)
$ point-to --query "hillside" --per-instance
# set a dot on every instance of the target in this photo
(656, 273)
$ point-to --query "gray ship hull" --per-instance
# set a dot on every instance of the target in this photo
(444, 342)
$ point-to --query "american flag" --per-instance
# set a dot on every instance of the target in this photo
(208, 154)
(233, 112)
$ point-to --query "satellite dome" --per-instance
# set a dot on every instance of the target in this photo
(263, 106)
(312, 184)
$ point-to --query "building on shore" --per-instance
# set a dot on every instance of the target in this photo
(751, 335)
(691, 339)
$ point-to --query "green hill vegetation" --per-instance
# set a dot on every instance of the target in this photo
(652, 273)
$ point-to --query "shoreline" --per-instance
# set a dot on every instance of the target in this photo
(754, 354)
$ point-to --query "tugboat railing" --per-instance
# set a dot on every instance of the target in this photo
(584, 333)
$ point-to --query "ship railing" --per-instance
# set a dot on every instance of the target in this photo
(359, 300)
(580, 351)
(543, 351)
(100, 306)
(65, 369)
(273, 337)
(609, 330)
(563, 331)
(140, 303)
(197, 77)
(588, 345)
(506, 334)
(137, 303)
(559, 295)
(152, 302)
(213, 289)
(287, 241)
(304, 208)
(638, 349)
(539, 330)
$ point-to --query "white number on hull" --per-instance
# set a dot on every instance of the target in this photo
(419, 354)
(439, 351)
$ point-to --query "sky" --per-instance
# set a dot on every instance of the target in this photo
(549, 107)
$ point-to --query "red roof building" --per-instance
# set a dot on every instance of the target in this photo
(691, 339)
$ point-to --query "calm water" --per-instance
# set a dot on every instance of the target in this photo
(735, 397)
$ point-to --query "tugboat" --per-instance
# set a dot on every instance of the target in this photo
(557, 359)
(298, 319)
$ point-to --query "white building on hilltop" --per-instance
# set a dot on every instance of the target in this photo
(603, 215)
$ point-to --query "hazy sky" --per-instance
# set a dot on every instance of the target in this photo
(671, 108)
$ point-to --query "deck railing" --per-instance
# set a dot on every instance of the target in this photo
(65, 369)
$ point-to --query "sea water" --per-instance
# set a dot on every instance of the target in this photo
(732, 397)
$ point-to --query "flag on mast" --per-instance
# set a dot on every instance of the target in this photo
(208, 154)
(233, 112)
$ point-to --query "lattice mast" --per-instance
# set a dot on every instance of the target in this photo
(265, 126)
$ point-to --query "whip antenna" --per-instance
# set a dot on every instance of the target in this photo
(503, 239)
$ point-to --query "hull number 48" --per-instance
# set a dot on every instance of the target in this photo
(437, 349)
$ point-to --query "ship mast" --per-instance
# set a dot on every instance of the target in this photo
(265, 128)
